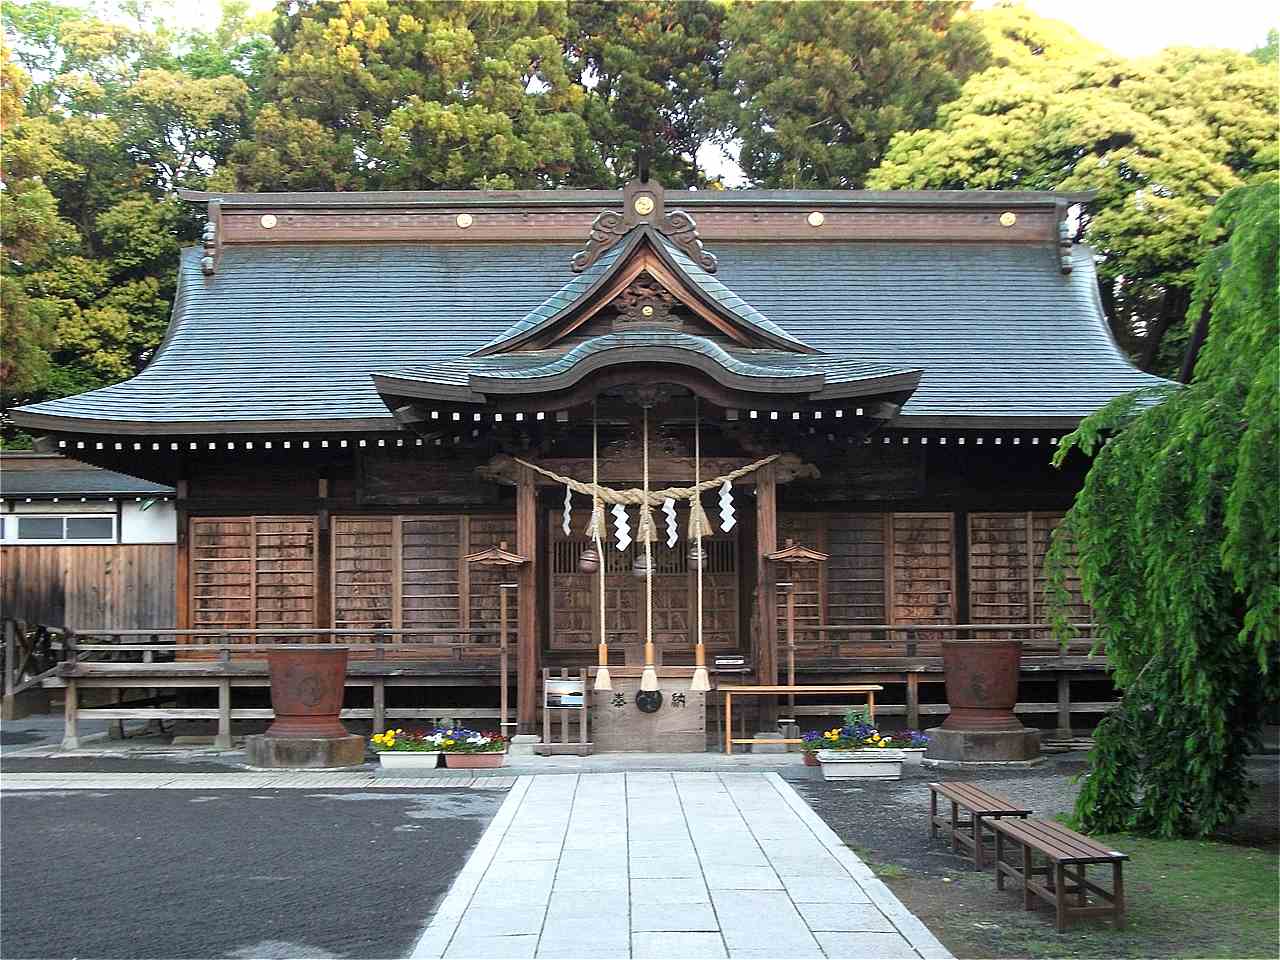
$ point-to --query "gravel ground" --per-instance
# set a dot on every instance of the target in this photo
(187, 873)
(887, 824)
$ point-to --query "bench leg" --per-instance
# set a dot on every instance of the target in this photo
(933, 814)
(1117, 896)
(1082, 893)
(1028, 895)
(1060, 897)
(955, 827)
(978, 855)
(999, 860)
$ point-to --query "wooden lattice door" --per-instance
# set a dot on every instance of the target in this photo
(573, 604)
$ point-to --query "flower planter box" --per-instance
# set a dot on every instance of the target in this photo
(913, 755)
(810, 758)
(474, 761)
(408, 759)
(875, 764)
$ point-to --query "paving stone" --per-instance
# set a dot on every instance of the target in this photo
(740, 878)
(523, 870)
(798, 950)
(503, 922)
(587, 881)
(677, 946)
(583, 946)
(680, 890)
(845, 917)
(672, 917)
(658, 868)
(488, 948)
(514, 892)
(753, 919)
(821, 865)
(661, 848)
(528, 850)
(866, 946)
(823, 890)
(610, 905)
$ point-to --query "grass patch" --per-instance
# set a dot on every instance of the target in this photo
(1186, 898)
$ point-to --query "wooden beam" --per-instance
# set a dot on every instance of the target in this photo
(527, 641)
(766, 588)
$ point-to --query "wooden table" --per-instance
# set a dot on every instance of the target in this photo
(732, 690)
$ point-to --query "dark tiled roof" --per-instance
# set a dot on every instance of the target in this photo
(471, 377)
(293, 333)
(76, 482)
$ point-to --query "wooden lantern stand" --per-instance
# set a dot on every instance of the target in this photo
(500, 556)
(790, 555)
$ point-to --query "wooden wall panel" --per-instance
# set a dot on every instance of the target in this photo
(922, 568)
(90, 587)
(856, 582)
(999, 572)
(1006, 571)
(431, 592)
(365, 568)
(809, 580)
(252, 572)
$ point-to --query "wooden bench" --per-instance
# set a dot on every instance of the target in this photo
(980, 804)
(1067, 855)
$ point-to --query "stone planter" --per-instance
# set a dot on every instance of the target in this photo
(880, 763)
(408, 759)
(474, 761)
(306, 696)
(982, 689)
(912, 755)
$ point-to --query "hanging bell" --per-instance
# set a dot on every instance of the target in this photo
(642, 565)
(697, 556)
(589, 561)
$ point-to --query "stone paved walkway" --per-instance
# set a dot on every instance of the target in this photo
(667, 865)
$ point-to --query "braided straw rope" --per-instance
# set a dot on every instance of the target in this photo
(635, 497)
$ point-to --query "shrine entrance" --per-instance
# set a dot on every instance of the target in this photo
(573, 597)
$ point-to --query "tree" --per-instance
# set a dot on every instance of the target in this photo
(649, 69)
(1177, 532)
(116, 119)
(1158, 139)
(815, 91)
(381, 94)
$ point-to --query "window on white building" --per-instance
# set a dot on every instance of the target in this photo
(46, 528)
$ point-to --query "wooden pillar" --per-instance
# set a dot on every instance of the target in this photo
(223, 740)
(10, 669)
(1064, 705)
(913, 701)
(766, 590)
(182, 588)
(528, 647)
(324, 559)
(71, 716)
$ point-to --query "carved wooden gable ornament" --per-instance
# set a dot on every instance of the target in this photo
(643, 202)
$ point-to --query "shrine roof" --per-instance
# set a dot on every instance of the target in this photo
(574, 291)
(472, 379)
(286, 336)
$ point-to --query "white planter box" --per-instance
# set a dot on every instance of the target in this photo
(913, 754)
(876, 764)
(407, 760)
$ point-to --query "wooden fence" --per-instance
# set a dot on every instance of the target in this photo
(92, 586)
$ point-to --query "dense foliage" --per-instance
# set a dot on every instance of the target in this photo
(1177, 532)
(1159, 139)
(106, 116)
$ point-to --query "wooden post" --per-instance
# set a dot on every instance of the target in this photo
(527, 641)
(791, 646)
(379, 705)
(503, 651)
(182, 553)
(10, 669)
(223, 740)
(913, 701)
(766, 591)
(1064, 705)
(70, 715)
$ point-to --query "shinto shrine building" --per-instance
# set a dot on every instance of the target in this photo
(358, 391)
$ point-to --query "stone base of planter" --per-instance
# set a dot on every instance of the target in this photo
(304, 753)
(982, 746)
(408, 759)
(877, 764)
(524, 745)
(474, 761)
